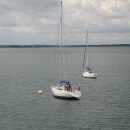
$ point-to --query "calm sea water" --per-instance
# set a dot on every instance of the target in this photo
(104, 104)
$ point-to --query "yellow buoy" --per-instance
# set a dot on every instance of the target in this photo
(40, 91)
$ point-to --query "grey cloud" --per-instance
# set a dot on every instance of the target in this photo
(42, 17)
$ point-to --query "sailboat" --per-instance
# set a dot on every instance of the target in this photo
(87, 71)
(64, 89)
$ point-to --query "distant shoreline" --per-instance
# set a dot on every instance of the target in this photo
(38, 46)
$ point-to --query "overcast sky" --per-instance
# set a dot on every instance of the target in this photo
(37, 21)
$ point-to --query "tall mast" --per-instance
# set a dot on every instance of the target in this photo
(87, 46)
(61, 46)
(86, 49)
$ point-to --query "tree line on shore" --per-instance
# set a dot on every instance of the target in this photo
(25, 46)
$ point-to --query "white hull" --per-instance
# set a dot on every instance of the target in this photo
(87, 74)
(62, 93)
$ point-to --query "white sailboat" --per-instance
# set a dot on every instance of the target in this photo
(64, 89)
(87, 71)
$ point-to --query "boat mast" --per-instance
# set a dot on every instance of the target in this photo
(86, 49)
(61, 46)
(87, 46)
